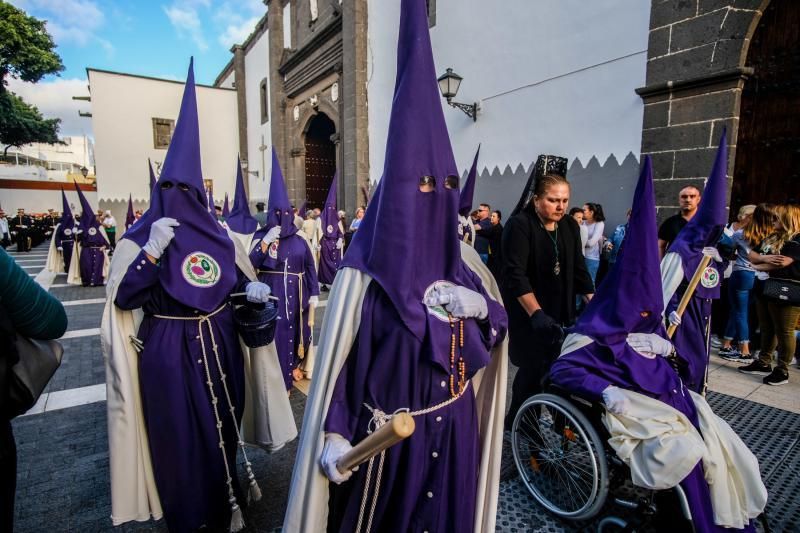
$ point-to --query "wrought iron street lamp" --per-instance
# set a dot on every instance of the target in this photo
(449, 82)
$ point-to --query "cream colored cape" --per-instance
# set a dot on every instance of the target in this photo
(74, 269)
(55, 259)
(307, 510)
(661, 446)
(671, 275)
(268, 421)
(312, 233)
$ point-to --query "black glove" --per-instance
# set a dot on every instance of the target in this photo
(545, 329)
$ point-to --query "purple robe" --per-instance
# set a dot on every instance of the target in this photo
(292, 254)
(330, 256)
(65, 239)
(181, 427)
(429, 481)
(92, 261)
(691, 339)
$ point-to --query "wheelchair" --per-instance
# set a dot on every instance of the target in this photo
(560, 449)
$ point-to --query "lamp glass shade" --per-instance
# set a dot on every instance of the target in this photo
(449, 82)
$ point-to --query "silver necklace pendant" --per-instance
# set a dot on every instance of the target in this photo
(557, 268)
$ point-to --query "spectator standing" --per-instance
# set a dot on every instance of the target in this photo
(5, 235)
(688, 199)
(483, 223)
(577, 214)
(260, 216)
(25, 309)
(739, 285)
(110, 225)
(495, 237)
(777, 318)
(593, 220)
(356, 222)
(613, 245)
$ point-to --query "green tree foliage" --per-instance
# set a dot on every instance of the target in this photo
(27, 52)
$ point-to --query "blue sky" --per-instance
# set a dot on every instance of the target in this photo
(147, 37)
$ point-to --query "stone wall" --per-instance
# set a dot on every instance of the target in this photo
(695, 74)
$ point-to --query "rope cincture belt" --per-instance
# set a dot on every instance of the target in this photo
(254, 492)
(301, 351)
(379, 419)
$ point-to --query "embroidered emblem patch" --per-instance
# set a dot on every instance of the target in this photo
(200, 270)
(273, 250)
(437, 311)
(67, 231)
(92, 231)
(710, 278)
(460, 230)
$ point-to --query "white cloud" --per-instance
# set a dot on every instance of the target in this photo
(54, 100)
(238, 20)
(185, 19)
(237, 33)
(69, 21)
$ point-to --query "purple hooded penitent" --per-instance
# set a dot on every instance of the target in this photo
(330, 256)
(65, 234)
(130, 218)
(91, 229)
(184, 357)
(468, 190)
(210, 206)
(225, 209)
(239, 219)
(406, 263)
(92, 239)
(704, 229)
(279, 208)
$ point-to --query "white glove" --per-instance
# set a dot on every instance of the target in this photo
(161, 233)
(78, 231)
(615, 401)
(60, 249)
(313, 301)
(460, 302)
(713, 253)
(257, 292)
(272, 235)
(649, 345)
(335, 448)
(339, 243)
(674, 318)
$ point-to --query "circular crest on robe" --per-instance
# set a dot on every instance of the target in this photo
(710, 278)
(438, 311)
(92, 231)
(460, 230)
(200, 270)
(273, 250)
(329, 229)
(67, 232)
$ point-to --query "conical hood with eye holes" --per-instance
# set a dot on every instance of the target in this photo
(67, 221)
(280, 212)
(92, 231)
(240, 220)
(705, 228)
(197, 268)
(329, 215)
(407, 239)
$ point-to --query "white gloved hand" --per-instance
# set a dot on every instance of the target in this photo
(60, 249)
(272, 235)
(78, 231)
(460, 302)
(339, 243)
(335, 448)
(313, 301)
(649, 344)
(257, 292)
(674, 318)
(615, 401)
(713, 253)
(161, 233)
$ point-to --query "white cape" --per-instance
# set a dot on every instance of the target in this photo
(307, 510)
(55, 259)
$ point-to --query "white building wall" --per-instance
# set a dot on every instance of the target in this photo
(122, 111)
(39, 201)
(259, 137)
(227, 83)
(552, 76)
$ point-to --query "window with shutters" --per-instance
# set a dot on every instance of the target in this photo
(162, 132)
(263, 98)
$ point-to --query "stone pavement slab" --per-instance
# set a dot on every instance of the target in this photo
(81, 365)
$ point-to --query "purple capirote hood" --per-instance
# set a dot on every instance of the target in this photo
(705, 227)
(279, 208)
(330, 216)
(468, 190)
(89, 225)
(406, 263)
(130, 218)
(240, 220)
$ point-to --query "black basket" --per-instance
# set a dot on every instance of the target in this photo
(255, 323)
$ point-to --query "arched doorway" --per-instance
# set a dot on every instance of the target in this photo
(320, 159)
(768, 147)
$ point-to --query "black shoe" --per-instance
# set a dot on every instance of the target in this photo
(777, 377)
(757, 368)
(727, 352)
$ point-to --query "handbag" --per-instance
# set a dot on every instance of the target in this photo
(785, 291)
(38, 361)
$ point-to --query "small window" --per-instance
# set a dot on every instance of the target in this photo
(264, 99)
(431, 12)
(162, 132)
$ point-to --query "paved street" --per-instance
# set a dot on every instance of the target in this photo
(63, 482)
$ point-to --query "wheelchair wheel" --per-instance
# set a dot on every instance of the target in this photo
(560, 457)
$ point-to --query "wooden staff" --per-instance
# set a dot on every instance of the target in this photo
(687, 295)
(400, 427)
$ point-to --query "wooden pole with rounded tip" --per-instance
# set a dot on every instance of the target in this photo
(400, 427)
(687, 295)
